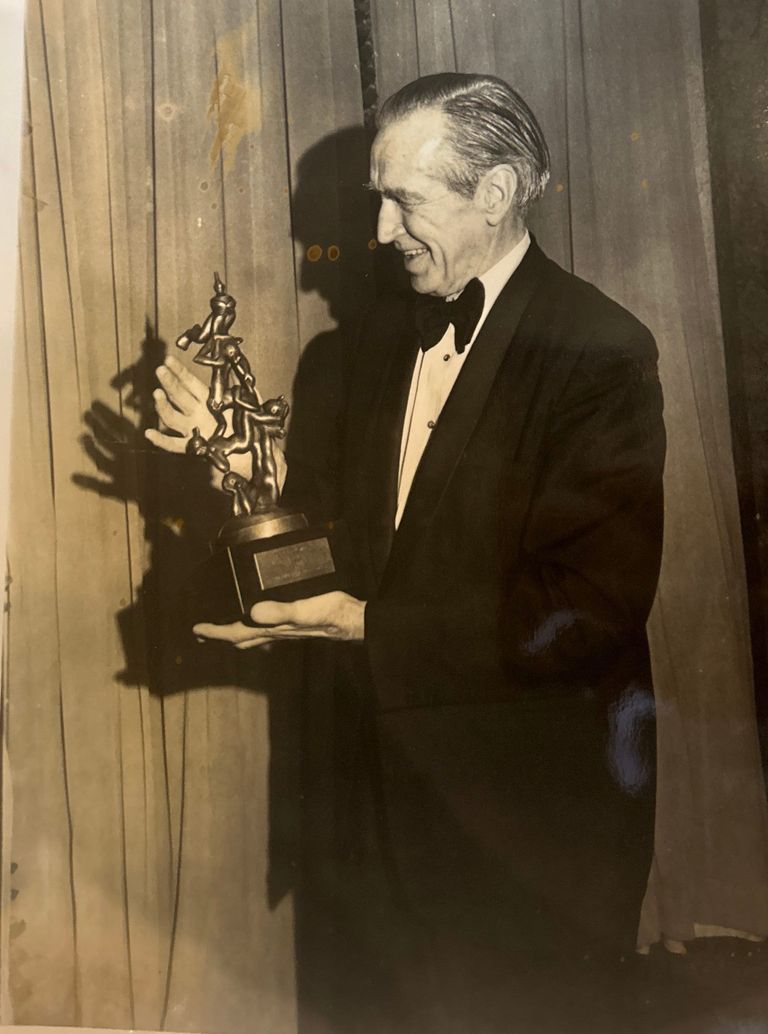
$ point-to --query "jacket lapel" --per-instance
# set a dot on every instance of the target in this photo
(464, 405)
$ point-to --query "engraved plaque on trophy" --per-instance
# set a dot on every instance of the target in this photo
(263, 551)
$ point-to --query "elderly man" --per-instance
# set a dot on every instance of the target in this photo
(500, 469)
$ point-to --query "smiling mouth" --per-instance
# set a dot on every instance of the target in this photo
(413, 253)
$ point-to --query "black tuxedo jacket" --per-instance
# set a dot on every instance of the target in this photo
(505, 659)
(529, 549)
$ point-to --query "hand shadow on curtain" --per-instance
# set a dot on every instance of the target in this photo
(180, 512)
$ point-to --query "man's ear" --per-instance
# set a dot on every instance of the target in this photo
(496, 192)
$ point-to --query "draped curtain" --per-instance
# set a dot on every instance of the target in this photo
(162, 141)
(165, 140)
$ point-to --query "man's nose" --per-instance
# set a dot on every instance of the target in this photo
(390, 224)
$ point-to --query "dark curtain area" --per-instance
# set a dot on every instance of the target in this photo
(734, 49)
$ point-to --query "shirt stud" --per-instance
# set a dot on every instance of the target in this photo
(430, 424)
(446, 357)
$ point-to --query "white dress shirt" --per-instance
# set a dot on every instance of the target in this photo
(435, 373)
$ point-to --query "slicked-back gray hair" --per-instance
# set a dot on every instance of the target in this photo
(490, 124)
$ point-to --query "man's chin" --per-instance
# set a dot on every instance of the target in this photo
(421, 284)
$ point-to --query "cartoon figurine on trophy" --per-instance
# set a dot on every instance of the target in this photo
(263, 550)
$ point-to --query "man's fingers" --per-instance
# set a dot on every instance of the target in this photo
(166, 442)
(171, 417)
(271, 613)
(248, 644)
(312, 618)
(196, 388)
(240, 636)
(181, 405)
(178, 394)
(282, 467)
(234, 633)
(175, 391)
(295, 631)
(241, 463)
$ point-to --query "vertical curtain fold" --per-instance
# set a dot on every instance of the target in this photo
(165, 142)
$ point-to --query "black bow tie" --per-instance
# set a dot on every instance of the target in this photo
(432, 316)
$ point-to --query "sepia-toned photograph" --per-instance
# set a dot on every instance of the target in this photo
(385, 625)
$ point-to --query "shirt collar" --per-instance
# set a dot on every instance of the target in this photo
(494, 278)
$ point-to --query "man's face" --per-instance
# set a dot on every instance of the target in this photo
(443, 237)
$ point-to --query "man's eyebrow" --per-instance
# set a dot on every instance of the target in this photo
(396, 195)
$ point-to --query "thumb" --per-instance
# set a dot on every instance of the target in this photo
(270, 612)
(166, 442)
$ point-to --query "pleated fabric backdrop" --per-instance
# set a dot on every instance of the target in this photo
(165, 140)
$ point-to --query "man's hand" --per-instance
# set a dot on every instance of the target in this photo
(333, 615)
(181, 404)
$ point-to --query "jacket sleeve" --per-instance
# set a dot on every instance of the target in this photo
(579, 588)
(592, 548)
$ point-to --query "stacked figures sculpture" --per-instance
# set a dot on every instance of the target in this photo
(263, 550)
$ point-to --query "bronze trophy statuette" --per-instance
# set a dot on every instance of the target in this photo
(263, 551)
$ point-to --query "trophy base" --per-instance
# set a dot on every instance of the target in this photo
(255, 526)
(270, 556)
